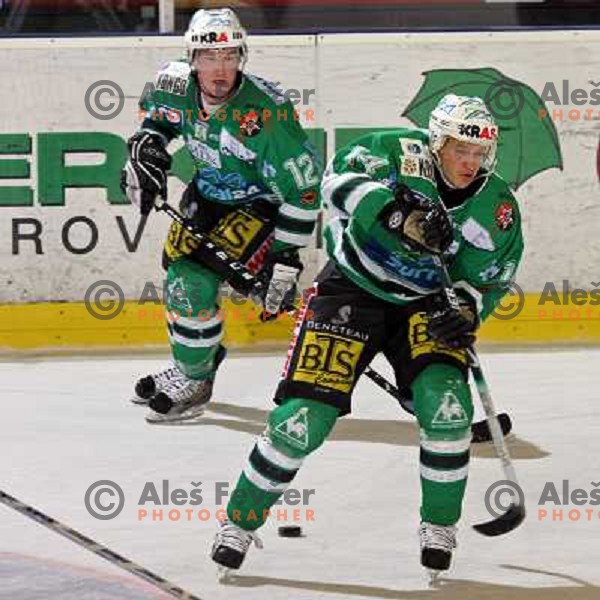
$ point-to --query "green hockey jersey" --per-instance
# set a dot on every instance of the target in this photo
(359, 184)
(253, 147)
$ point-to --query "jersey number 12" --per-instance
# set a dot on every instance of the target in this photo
(302, 170)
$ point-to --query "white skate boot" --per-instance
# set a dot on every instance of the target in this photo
(231, 545)
(437, 544)
(181, 399)
(149, 385)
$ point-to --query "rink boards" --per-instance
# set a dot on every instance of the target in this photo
(67, 226)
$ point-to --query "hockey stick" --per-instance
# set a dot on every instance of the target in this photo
(235, 272)
(95, 547)
(515, 514)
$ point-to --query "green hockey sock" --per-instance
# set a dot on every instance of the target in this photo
(444, 409)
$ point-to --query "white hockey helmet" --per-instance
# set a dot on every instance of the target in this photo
(214, 29)
(467, 119)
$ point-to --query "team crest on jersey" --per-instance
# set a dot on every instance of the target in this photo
(251, 124)
(309, 197)
(505, 216)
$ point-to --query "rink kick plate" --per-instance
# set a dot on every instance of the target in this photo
(68, 325)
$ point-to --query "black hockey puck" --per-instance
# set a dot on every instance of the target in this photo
(290, 531)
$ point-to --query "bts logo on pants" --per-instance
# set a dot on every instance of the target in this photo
(328, 361)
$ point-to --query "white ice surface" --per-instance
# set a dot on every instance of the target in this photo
(67, 423)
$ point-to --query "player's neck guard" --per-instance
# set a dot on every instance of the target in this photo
(453, 196)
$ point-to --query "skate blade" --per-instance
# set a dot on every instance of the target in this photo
(137, 401)
(434, 577)
(182, 419)
(224, 574)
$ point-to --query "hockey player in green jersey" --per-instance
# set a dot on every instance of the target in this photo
(255, 193)
(395, 200)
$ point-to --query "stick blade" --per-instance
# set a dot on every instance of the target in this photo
(510, 520)
(481, 433)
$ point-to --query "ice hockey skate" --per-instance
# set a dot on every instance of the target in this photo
(231, 545)
(437, 544)
(153, 383)
(181, 400)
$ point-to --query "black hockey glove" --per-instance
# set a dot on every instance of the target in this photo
(454, 328)
(145, 174)
(422, 224)
(279, 278)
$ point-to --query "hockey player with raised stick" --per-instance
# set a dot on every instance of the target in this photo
(395, 200)
(255, 193)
